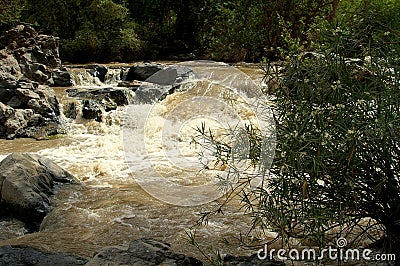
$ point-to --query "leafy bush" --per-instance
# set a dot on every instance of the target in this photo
(371, 19)
(10, 13)
(337, 155)
(242, 30)
(105, 34)
(96, 30)
(338, 149)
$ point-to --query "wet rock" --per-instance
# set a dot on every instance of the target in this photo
(70, 110)
(19, 255)
(60, 78)
(92, 110)
(142, 252)
(26, 183)
(99, 72)
(143, 72)
(120, 96)
(96, 101)
(149, 93)
(172, 75)
(29, 108)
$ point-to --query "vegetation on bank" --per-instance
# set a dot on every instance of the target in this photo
(228, 30)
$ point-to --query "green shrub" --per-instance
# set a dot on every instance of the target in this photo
(10, 13)
(337, 152)
(105, 35)
(243, 30)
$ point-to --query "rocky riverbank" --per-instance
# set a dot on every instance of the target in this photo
(29, 64)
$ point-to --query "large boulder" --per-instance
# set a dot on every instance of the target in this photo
(20, 255)
(143, 72)
(142, 252)
(28, 62)
(149, 93)
(171, 75)
(26, 183)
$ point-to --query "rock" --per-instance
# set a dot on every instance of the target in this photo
(19, 255)
(60, 78)
(29, 108)
(96, 101)
(99, 72)
(253, 260)
(26, 183)
(12, 121)
(143, 72)
(36, 54)
(70, 110)
(149, 93)
(172, 75)
(142, 252)
(120, 96)
(92, 110)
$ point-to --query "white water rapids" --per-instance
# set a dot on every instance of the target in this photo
(120, 164)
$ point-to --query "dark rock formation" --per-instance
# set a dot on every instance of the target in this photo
(142, 252)
(60, 78)
(143, 72)
(28, 61)
(19, 255)
(71, 109)
(26, 183)
(112, 97)
(36, 54)
(171, 75)
(150, 93)
(161, 83)
(98, 71)
(92, 110)
(95, 102)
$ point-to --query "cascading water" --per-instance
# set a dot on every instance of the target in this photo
(111, 206)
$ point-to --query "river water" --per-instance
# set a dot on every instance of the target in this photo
(111, 206)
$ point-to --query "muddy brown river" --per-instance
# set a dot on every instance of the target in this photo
(111, 207)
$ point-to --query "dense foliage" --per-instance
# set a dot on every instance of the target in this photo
(337, 156)
(230, 30)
